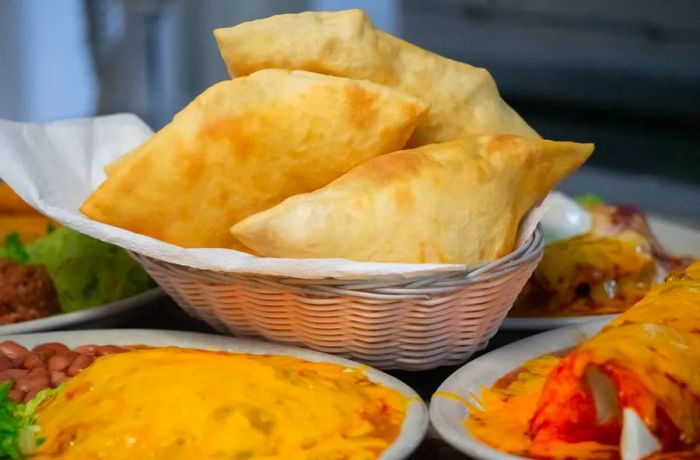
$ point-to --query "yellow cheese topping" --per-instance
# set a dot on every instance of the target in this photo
(614, 272)
(171, 404)
(606, 270)
(503, 418)
(507, 408)
(652, 351)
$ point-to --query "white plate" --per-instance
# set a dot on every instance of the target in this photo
(448, 416)
(96, 316)
(412, 431)
(675, 238)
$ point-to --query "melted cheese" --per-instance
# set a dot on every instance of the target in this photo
(172, 404)
(508, 408)
(651, 353)
(606, 270)
(615, 272)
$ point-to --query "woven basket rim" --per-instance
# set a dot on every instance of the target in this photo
(441, 279)
(398, 323)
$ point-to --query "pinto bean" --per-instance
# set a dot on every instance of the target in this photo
(14, 351)
(80, 363)
(86, 349)
(61, 361)
(57, 378)
(32, 361)
(31, 394)
(36, 383)
(39, 371)
(47, 350)
(5, 363)
(16, 395)
(109, 349)
(13, 374)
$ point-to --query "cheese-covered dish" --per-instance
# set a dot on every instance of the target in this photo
(47, 269)
(604, 270)
(631, 391)
(172, 403)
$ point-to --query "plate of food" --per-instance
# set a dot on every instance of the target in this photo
(626, 389)
(599, 259)
(53, 277)
(124, 394)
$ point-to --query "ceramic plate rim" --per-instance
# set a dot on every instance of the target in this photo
(63, 320)
(413, 428)
(495, 364)
(545, 324)
(661, 227)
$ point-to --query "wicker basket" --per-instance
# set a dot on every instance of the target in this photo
(413, 324)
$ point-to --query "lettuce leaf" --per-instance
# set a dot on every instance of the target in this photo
(589, 199)
(87, 272)
(19, 432)
(14, 249)
(12, 423)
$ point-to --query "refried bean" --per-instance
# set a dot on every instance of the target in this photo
(26, 292)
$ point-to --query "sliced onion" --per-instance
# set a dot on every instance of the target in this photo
(604, 395)
(636, 441)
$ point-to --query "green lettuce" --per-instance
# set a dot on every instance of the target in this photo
(12, 424)
(589, 199)
(14, 249)
(86, 272)
(19, 432)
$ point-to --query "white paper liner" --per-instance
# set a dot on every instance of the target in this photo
(55, 166)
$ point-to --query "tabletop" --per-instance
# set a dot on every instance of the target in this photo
(165, 314)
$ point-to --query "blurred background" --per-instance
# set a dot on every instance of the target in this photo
(624, 74)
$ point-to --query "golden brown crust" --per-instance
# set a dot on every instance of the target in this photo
(455, 202)
(243, 146)
(464, 99)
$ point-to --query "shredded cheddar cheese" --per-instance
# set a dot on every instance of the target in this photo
(180, 404)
